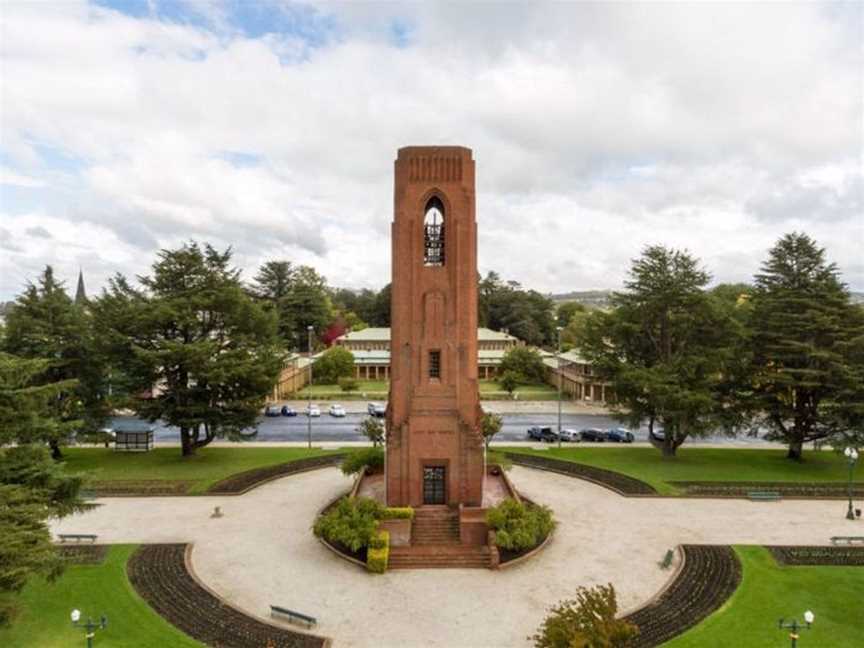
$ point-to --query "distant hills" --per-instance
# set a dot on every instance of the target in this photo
(600, 298)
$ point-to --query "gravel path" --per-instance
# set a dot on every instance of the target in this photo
(262, 551)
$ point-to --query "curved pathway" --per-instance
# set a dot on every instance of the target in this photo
(263, 552)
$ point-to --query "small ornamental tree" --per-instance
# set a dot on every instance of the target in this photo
(490, 425)
(335, 363)
(588, 621)
(525, 363)
(509, 381)
(373, 429)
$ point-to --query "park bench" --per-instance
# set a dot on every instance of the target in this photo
(847, 540)
(292, 616)
(666, 563)
(763, 496)
(77, 536)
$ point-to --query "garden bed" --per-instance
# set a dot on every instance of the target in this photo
(137, 487)
(245, 481)
(826, 490)
(160, 575)
(83, 554)
(708, 577)
(621, 484)
(815, 555)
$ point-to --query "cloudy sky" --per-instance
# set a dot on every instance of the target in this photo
(272, 126)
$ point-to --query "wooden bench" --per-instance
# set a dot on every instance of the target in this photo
(77, 536)
(763, 496)
(666, 563)
(847, 540)
(292, 616)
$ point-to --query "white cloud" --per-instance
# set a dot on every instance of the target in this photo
(597, 129)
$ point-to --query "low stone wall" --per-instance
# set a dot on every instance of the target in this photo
(400, 531)
(473, 529)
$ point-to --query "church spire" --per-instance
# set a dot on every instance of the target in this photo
(80, 293)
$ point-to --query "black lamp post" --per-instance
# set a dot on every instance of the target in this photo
(852, 458)
(558, 363)
(793, 626)
(90, 627)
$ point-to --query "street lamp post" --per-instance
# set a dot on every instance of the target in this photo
(90, 627)
(852, 458)
(558, 364)
(309, 391)
(793, 626)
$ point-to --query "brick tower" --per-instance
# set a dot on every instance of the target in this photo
(434, 446)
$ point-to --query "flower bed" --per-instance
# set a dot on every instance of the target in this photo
(138, 487)
(160, 576)
(244, 481)
(83, 554)
(815, 555)
(709, 576)
(617, 482)
(785, 489)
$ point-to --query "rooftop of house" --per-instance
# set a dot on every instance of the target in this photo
(382, 334)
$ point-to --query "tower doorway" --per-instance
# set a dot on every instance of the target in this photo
(434, 485)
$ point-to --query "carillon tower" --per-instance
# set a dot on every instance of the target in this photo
(434, 445)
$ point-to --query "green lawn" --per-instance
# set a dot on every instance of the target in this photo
(769, 591)
(491, 390)
(707, 464)
(207, 467)
(374, 389)
(44, 609)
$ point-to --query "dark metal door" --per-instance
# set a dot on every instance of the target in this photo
(433, 485)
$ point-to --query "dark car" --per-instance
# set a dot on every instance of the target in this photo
(619, 435)
(272, 410)
(592, 434)
(546, 434)
(288, 411)
(376, 409)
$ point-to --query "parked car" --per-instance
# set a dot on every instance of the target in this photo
(288, 411)
(619, 435)
(313, 410)
(592, 434)
(569, 435)
(546, 434)
(337, 410)
(376, 409)
(272, 410)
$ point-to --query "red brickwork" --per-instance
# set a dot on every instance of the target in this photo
(434, 421)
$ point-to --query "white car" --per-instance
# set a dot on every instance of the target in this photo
(569, 435)
(337, 410)
(313, 410)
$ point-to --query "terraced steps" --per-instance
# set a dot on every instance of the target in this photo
(437, 525)
(439, 556)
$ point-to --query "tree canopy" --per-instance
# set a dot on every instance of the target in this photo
(524, 313)
(804, 331)
(335, 363)
(524, 363)
(200, 354)
(664, 348)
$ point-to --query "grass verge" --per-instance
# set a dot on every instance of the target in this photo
(196, 473)
(44, 608)
(705, 464)
(769, 591)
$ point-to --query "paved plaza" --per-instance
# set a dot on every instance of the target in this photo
(263, 552)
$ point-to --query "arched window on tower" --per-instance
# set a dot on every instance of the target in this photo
(433, 233)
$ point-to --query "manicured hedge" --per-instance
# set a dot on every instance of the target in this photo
(379, 553)
(359, 460)
(815, 555)
(787, 489)
(398, 513)
(615, 481)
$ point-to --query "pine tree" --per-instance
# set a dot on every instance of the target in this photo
(802, 324)
(45, 323)
(664, 348)
(199, 353)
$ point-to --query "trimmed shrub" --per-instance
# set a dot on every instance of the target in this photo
(359, 460)
(348, 384)
(379, 553)
(519, 527)
(335, 363)
(398, 513)
(351, 523)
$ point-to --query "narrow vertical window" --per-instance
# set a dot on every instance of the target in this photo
(433, 233)
(435, 364)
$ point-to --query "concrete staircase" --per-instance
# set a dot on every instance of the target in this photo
(435, 543)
